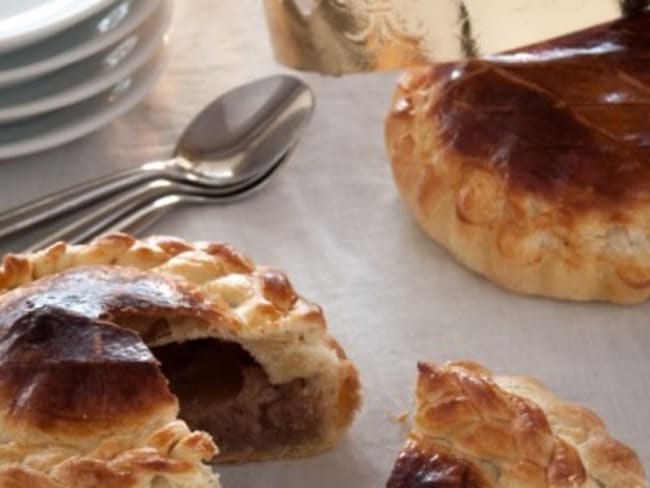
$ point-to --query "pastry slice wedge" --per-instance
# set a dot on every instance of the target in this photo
(245, 358)
(473, 429)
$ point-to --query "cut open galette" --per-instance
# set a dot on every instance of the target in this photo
(103, 345)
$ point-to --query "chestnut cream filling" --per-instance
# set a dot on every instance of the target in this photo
(224, 391)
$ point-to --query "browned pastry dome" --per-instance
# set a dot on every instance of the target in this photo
(476, 430)
(533, 167)
(64, 373)
(94, 337)
(83, 404)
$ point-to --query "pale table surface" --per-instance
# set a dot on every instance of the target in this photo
(334, 222)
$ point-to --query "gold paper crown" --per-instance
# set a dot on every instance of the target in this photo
(340, 36)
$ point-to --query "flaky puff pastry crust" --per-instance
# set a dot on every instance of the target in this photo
(201, 290)
(476, 430)
(533, 168)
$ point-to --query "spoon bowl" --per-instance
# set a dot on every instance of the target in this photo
(244, 132)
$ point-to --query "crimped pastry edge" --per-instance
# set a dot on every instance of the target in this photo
(170, 454)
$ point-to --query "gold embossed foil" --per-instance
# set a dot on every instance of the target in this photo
(342, 36)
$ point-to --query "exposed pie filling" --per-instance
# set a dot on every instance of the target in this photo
(225, 392)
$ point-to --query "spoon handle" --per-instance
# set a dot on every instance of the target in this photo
(146, 216)
(97, 220)
(65, 201)
(143, 218)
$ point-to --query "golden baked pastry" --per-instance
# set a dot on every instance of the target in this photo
(476, 430)
(533, 167)
(82, 328)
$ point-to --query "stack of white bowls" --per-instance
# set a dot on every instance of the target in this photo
(67, 67)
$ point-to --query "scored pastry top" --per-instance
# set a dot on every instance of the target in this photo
(65, 377)
(566, 119)
(111, 292)
(474, 429)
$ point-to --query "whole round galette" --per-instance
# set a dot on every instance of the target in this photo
(533, 167)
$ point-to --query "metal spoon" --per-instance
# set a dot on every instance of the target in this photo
(239, 135)
(147, 204)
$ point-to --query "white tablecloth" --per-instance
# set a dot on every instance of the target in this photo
(334, 222)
